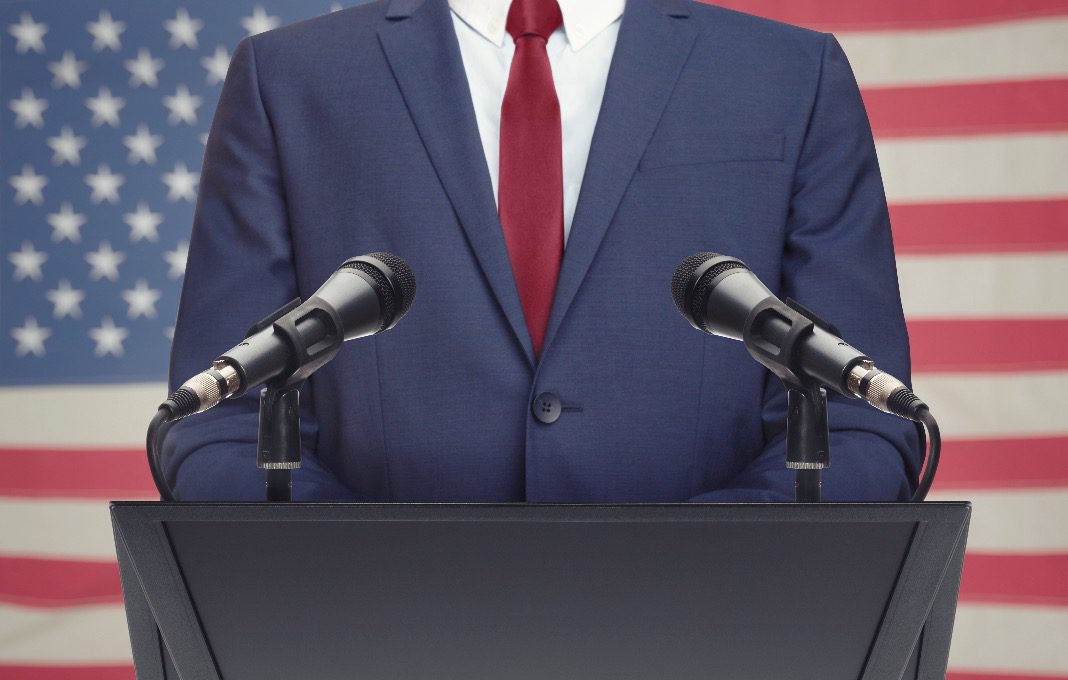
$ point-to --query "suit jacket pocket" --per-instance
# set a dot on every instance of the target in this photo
(715, 147)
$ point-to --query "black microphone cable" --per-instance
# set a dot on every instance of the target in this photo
(162, 417)
(933, 445)
(902, 402)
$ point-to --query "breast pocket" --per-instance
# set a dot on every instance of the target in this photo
(720, 146)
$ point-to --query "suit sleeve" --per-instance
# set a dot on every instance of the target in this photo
(838, 260)
(239, 270)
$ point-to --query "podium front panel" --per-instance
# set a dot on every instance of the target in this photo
(541, 592)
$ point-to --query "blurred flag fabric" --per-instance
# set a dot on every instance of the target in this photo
(105, 108)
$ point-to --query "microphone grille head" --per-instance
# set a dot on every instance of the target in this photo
(403, 277)
(693, 281)
(681, 281)
(394, 282)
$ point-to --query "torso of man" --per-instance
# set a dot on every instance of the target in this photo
(360, 132)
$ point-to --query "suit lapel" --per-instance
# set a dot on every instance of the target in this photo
(420, 43)
(655, 38)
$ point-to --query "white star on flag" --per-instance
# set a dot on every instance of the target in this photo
(216, 65)
(108, 338)
(175, 259)
(67, 71)
(105, 184)
(260, 21)
(29, 110)
(141, 300)
(183, 106)
(144, 70)
(105, 107)
(29, 338)
(104, 263)
(66, 301)
(29, 186)
(27, 262)
(66, 224)
(144, 224)
(183, 29)
(181, 184)
(142, 146)
(67, 148)
(28, 35)
(106, 32)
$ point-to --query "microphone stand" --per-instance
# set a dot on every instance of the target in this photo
(807, 436)
(278, 440)
(278, 445)
(807, 440)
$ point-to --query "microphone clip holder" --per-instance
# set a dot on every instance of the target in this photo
(807, 431)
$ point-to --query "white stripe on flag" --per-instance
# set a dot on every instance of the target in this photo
(1015, 50)
(77, 415)
(985, 637)
(1016, 640)
(1030, 521)
(1019, 521)
(55, 528)
(91, 635)
(1027, 286)
(980, 168)
(996, 405)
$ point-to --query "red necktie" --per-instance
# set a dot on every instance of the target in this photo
(530, 197)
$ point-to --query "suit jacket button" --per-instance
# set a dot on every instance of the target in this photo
(546, 407)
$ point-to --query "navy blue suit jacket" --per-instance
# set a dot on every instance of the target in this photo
(355, 133)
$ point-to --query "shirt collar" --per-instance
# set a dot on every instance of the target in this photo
(583, 19)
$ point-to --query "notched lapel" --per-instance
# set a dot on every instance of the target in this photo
(420, 44)
(655, 39)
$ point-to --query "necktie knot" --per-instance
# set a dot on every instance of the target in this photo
(533, 17)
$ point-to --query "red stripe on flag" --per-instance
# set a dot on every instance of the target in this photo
(1010, 579)
(1003, 464)
(980, 227)
(1016, 579)
(66, 673)
(847, 15)
(987, 108)
(31, 582)
(988, 345)
(85, 473)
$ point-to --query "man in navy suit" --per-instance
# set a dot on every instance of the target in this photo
(359, 132)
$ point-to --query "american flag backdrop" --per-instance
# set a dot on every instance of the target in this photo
(105, 107)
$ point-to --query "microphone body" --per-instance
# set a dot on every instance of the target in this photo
(366, 295)
(721, 295)
(347, 306)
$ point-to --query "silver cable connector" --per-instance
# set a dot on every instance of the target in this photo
(230, 376)
(212, 386)
(874, 386)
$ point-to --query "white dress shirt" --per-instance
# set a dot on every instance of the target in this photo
(580, 53)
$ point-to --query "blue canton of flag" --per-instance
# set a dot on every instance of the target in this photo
(106, 110)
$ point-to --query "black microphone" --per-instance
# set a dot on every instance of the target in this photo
(720, 295)
(366, 295)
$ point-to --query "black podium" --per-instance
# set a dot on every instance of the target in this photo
(235, 591)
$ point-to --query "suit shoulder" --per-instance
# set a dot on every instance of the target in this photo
(342, 28)
(758, 32)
